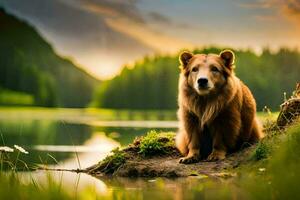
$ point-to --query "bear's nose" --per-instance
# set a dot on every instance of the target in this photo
(202, 82)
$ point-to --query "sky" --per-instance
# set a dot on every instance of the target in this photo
(102, 36)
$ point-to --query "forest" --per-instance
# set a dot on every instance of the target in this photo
(151, 83)
(31, 73)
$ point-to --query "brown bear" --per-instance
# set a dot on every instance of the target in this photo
(216, 109)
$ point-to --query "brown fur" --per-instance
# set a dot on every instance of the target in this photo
(227, 109)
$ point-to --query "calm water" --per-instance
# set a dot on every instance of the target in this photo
(78, 138)
(70, 138)
(56, 137)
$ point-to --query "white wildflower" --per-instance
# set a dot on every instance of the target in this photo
(262, 169)
(6, 149)
(21, 149)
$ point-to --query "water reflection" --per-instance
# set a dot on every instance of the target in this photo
(136, 124)
(32, 133)
(78, 139)
(71, 182)
(92, 151)
(84, 136)
(71, 139)
(85, 187)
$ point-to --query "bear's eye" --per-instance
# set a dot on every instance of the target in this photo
(214, 69)
(194, 69)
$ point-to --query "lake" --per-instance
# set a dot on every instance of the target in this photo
(79, 138)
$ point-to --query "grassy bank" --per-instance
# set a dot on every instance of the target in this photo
(90, 113)
(101, 114)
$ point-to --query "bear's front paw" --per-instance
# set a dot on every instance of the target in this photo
(189, 159)
(216, 155)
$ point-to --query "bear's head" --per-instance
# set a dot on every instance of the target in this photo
(207, 73)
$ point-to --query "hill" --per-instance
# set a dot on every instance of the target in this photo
(28, 64)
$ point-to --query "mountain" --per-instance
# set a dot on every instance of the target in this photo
(85, 35)
(28, 64)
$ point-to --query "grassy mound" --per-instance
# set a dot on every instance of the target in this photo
(150, 145)
(156, 143)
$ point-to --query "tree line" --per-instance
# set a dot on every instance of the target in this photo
(152, 83)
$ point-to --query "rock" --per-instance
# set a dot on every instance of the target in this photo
(290, 109)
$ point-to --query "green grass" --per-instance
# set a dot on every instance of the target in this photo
(11, 187)
(154, 143)
(13, 98)
(278, 176)
(262, 151)
(112, 162)
(267, 117)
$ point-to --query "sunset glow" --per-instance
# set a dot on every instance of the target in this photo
(105, 28)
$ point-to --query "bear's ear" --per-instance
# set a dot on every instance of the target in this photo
(184, 58)
(228, 58)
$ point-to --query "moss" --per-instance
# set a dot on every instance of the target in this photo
(157, 143)
(262, 151)
(112, 162)
(152, 144)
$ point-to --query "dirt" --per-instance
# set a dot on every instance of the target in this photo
(168, 165)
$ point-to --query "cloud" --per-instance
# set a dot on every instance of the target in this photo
(114, 8)
(265, 18)
(159, 17)
(288, 7)
(291, 7)
(274, 9)
(101, 10)
(165, 21)
(128, 9)
(123, 16)
(148, 37)
(262, 4)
